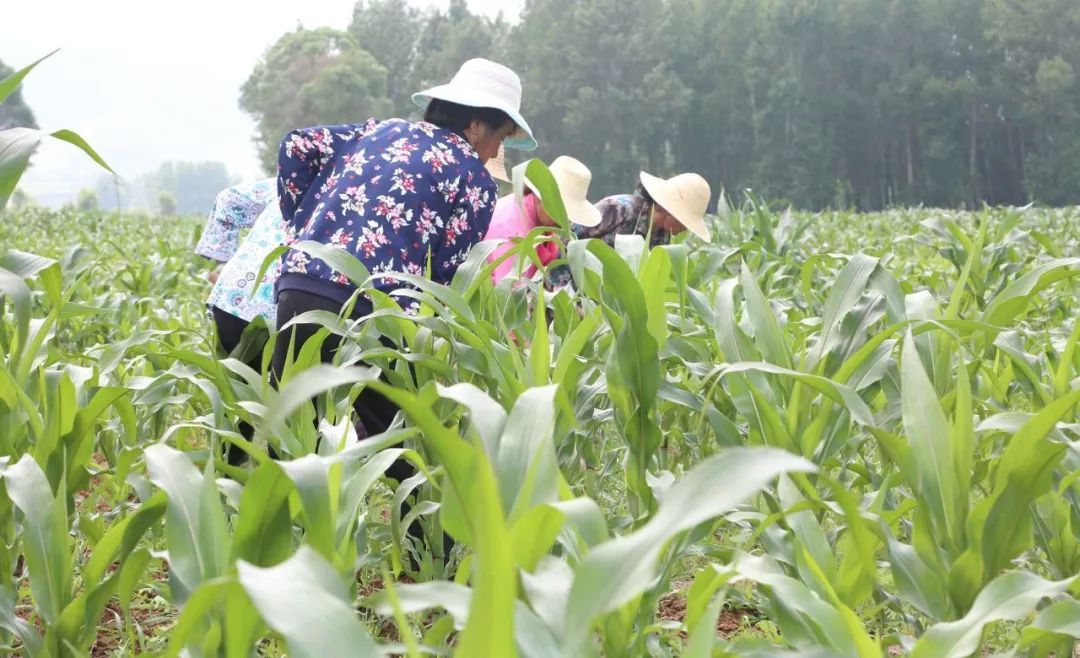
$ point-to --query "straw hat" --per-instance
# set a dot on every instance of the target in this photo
(483, 83)
(574, 178)
(685, 196)
(497, 166)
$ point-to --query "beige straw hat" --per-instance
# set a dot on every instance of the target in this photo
(497, 166)
(574, 178)
(483, 83)
(685, 196)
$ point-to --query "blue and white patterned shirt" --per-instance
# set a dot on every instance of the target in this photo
(238, 208)
(394, 194)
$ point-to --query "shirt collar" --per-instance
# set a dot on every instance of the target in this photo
(454, 138)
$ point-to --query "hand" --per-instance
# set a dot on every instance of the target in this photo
(214, 274)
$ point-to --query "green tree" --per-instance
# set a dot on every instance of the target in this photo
(389, 30)
(87, 200)
(112, 190)
(860, 103)
(602, 90)
(193, 186)
(447, 39)
(166, 204)
(311, 77)
(20, 199)
(14, 112)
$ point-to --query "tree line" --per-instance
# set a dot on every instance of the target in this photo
(821, 103)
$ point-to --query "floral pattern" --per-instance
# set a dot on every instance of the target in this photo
(393, 194)
(236, 209)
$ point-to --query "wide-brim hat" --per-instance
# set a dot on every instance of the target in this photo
(483, 83)
(574, 178)
(685, 196)
(497, 166)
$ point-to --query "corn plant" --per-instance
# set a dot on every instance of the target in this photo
(858, 432)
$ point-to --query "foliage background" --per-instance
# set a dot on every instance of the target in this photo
(846, 104)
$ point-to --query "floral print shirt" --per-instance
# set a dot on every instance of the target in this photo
(398, 196)
(237, 208)
(622, 214)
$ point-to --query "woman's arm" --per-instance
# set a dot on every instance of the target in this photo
(301, 157)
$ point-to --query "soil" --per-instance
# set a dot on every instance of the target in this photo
(673, 608)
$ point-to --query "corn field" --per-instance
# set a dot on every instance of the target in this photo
(827, 435)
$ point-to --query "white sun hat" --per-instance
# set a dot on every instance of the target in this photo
(574, 178)
(685, 196)
(497, 166)
(483, 83)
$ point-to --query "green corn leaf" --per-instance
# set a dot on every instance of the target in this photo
(535, 175)
(195, 523)
(844, 294)
(1014, 299)
(311, 476)
(16, 147)
(616, 571)
(533, 639)
(526, 466)
(45, 536)
(767, 331)
(485, 414)
(472, 491)
(74, 139)
(31, 639)
(190, 632)
(309, 383)
(305, 601)
(263, 533)
(540, 347)
(533, 534)
(932, 453)
(9, 84)
(1023, 474)
(702, 595)
(338, 259)
(836, 392)
(654, 277)
(1011, 596)
(1060, 618)
(807, 620)
(919, 583)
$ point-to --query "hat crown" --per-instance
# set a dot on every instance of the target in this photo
(486, 76)
(481, 82)
(694, 189)
(572, 176)
(685, 196)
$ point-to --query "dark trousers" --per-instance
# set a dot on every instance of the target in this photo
(230, 329)
(374, 411)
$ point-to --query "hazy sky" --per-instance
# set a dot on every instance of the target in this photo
(147, 81)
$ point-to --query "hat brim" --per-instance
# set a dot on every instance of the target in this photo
(582, 212)
(667, 199)
(497, 168)
(522, 139)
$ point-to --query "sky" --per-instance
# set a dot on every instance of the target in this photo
(147, 81)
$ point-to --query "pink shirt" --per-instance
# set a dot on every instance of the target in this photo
(508, 222)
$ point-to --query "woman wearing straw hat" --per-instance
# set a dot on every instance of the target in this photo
(658, 210)
(667, 207)
(513, 220)
(395, 195)
(400, 196)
